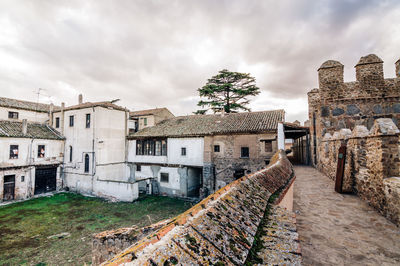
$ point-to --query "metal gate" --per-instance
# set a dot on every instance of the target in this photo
(45, 179)
(9, 187)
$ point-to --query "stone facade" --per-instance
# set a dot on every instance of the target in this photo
(338, 104)
(228, 161)
(372, 166)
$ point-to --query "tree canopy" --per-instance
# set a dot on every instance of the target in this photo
(227, 91)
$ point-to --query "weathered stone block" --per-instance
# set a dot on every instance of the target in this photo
(352, 109)
(337, 111)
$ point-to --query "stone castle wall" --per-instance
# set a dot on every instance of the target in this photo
(372, 166)
(337, 104)
(221, 229)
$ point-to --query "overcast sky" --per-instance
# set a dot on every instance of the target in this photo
(158, 53)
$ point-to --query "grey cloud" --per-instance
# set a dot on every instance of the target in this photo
(157, 53)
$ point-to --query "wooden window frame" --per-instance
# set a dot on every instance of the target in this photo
(13, 115)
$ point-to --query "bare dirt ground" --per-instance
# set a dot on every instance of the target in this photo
(336, 229)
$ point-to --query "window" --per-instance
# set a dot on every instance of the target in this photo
(268, 146)
(138, 167)
(87, 120)
(158, 148)
(164, 177)
(57, 122)
(22, 178)
(145, 121)
(86, 163)
(216, 148)
(164, 148)
(244, 152)
(13, 151)
(70, 153)
(151, 147)
(41, 151)
(71, 120)
(13, 115)
(183, 151)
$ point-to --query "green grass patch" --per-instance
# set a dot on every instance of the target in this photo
(26, 226)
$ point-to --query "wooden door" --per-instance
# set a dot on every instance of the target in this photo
(9, 187)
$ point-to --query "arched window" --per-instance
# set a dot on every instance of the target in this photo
(86, 163)
(70, 153)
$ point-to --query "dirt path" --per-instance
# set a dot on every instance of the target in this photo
(337, 229)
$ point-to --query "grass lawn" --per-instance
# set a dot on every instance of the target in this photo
(26, 226)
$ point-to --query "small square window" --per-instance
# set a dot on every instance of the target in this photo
(216, 148)
(13, 115)
(183, 151)
(244, 152)
(268, 146)
(164, 177)
(14, 151)
(57, 122)
(41, 151)
(138, 167)
(71, 120)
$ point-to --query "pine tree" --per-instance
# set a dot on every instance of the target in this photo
(227, 91)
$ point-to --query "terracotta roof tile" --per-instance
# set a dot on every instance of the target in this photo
(200, 125)
(148, 112)
(95, 104)
(25, 105)
(13, 129)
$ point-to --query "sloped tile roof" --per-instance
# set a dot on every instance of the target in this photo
(95, 104)
(148, 112)
(201, 125)
(13, 129)
(25, 105)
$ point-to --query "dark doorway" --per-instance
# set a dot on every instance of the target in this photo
(238, 173)
(9, 187)
(45, 180)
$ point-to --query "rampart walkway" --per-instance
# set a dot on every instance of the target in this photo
(337, 229)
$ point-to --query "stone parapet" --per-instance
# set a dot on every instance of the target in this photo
(220, 229)
(372, 158)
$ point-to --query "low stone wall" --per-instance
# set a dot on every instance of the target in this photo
(107, 244)
(221, 228)
(372, 167)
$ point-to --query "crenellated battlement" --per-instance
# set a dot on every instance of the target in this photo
(370, 80)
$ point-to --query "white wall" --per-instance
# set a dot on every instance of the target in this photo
(28, 151)
(194, 152)
(31, 116)
(117, 190)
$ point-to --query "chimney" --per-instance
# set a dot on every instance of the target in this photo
(80, 99)
(24, 127)
(51, 114)
(62, 118)
(398, 68)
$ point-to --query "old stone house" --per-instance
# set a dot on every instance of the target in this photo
(30, 160)
(148, 118)
(95, 149)
(204, 152)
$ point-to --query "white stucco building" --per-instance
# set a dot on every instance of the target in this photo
(95, 149)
